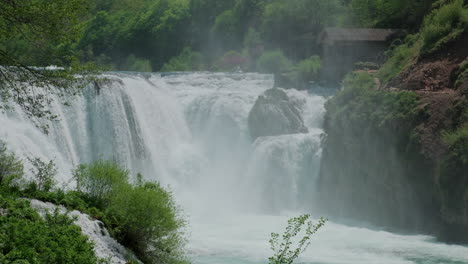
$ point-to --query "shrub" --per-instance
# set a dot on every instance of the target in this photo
(444, 25)
(11, 168)
(142, 217)
(462, 74)
(253, 43)
(284, 248)
(274, 62)
(44, 173)
(139, 65)
(454, 165)
(364, 106)
(308, 69)
(27, 238)
(457, 142)
(99, 179)
(400, 57)
(149, 222)
(187, 60)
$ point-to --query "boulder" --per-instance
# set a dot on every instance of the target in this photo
(275, 114)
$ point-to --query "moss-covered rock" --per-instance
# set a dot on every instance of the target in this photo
(388, 161)
(275, 114)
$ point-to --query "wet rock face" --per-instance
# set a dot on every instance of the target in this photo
(275, 114)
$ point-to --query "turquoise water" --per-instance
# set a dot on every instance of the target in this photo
(243, 239)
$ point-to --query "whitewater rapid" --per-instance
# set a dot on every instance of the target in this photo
(190, 132)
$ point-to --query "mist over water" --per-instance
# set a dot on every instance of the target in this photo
(190, 132)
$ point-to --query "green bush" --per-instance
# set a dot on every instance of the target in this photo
(274, 62)
(462, 74)
(309, 69)
(11, 168)
(364, 106)
(139, 65)
(400, 57)
(149, 222)
(44, 174)
(285, 249)
(444, 25)
(142, 217)
(99, 180)
(187, 60)
(454, 165)
(27, 238)
(457, 142)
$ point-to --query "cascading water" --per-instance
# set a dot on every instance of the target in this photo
(191, 132)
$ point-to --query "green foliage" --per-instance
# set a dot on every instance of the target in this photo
(142, 217)
(11, 168)
(400, 14)
(444, 25)
(39, 33)
(309, 69)
(140, 65)
(457, 142)
(150, 30)
(285, 249)
(28, 238)
(440, 27)
(149, 222)
(99, 180)
(187, 60)
(274, 62)
(44, 173)
(227, 28)
(462, 74)
(283, 22)
(46, 29)
(363, 106)
(453, 168)
(400, 57)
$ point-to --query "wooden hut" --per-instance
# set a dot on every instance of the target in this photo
(342, 48)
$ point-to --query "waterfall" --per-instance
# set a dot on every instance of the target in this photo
(188, 131)
(191, 133)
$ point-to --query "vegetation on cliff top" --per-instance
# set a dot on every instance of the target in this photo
(443, 25)
(361, 104)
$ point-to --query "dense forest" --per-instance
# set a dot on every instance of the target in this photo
(169, 35)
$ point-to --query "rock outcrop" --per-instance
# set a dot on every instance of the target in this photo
(275, 114)
(391, 163)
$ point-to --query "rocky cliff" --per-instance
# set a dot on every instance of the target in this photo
(396, 155)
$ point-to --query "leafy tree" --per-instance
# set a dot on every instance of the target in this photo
(38, 33)
(285, 249)
(150, 224)
(308, 69)
(389, 13)
(99, 180)
(203, 14)
(44, 173)
(273, 62)
(142, 217)
(284, 23)
(187, 60)
(11, 168)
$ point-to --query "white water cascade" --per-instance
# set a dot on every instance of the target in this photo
(190, 132)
